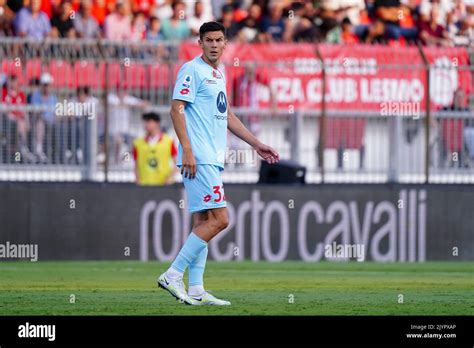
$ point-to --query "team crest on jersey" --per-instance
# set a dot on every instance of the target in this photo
(184, 91)
(187, 81)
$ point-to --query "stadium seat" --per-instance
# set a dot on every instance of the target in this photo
(12, 67)
(453, 134)
(135, 75)
(86, 73)
(33, 69)
(159, 76)
(62, 72)
(114, 76)
(344, 132)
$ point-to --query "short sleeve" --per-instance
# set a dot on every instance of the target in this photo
(187, 83)
(174, 151)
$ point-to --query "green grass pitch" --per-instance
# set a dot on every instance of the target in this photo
(325, 288)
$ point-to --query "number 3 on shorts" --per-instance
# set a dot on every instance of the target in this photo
(217, 191)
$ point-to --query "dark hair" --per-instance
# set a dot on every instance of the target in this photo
(84, 90)
(151, 116)
(346, 20)
(210, 26)
(227, 8)
(153, 18)
(176, 3)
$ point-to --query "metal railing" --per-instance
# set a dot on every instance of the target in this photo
(102, 87)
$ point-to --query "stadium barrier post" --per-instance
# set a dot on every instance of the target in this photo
(322, 124)
(394, 151)
(106, 119)
(295, 135)
(428, 113)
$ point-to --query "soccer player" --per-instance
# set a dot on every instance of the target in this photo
(201, 117)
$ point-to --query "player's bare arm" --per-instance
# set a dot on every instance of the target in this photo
(179, 122)
(238, 129)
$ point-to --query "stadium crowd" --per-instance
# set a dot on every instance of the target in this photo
(432, 22)
(44, 137)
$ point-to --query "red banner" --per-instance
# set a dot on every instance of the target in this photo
(359, 77)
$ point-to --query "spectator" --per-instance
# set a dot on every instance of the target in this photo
(118, 25)
(246, 93)
(85, 24)
(303, 26)
(17, 118)
(62, 24)
(6, 19)
(273, 25)
(340, 9)
(218, 7)
(228, 22)
(176, 28)
(465, 35)
(32, 22)
(198, 18)
(154, 154)
(51, 8)
(143, 6)
(100, 9)
(46, 122)
(153, 34)
(121, 105)
(375, 33)
(431, 33)
(16, 5)
(239, 13)
(138, 27)
(396, 19)
(444, 7)
(453, 133)
(164, 9)
(77, 129)
(343, 34)
(249, 27)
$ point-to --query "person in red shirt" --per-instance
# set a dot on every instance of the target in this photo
(431, 33)
(18, 119)
(143, 6)
(101, 8)
(347, 34)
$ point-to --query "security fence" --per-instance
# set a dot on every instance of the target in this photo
(71, 109)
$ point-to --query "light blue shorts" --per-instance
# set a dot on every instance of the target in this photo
(205, 191)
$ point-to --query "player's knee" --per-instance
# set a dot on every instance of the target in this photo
(222, 222)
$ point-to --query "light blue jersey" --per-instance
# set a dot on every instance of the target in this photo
(204, 90)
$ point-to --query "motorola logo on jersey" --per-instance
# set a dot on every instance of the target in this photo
(221, 102)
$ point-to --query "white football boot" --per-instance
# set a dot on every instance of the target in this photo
(175, 287)
(209, 300)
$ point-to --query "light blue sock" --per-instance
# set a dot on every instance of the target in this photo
(189, 252)
(196, 268)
